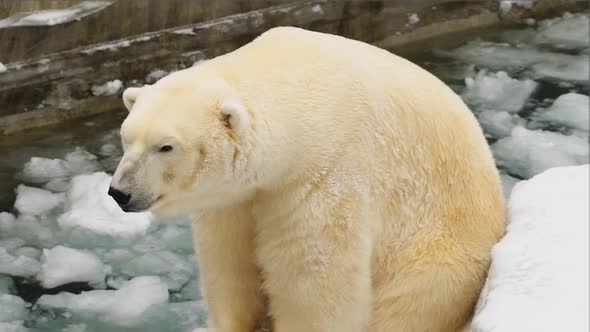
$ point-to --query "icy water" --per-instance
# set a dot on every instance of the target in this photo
(71, 261)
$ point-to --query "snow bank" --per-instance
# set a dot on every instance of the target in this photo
(89, 207)
(124, 307)
(62, 265)
(529, 152)
(35, 201)
(107, 89)
(497, 91)
(571, 110)
(538, 280)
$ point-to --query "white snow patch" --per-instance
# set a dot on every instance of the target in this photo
(123, 307)
(2, 68)
(35, 201)
(530, 152)
(62, 265)
(570, 110)
(538, 279)
(108, 89)
(317, 9)
(88, 206)
(497, 91)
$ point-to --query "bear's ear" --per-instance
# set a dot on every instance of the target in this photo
(234, 115)
(129, 97)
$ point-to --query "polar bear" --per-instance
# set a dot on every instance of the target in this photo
(333, 186)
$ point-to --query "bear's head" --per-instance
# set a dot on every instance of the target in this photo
(185, 145)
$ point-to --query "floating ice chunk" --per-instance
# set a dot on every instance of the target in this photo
(508, 183)
(39, 231)
(18, 266)
(191, 290)
(6, 222)
(2, 68)
(42, 170)
(12, 244)
(35, 201)
(16, 326)
(6, 285)
(497, 91)
(570, 110)
(569, 31)
(155, 75)
(90, 207)
(122, 307)
(538, 64)
(62, 265)
(135, 297)
(174, 269)
(12, 308)
(29, 252)
(499, 124)
(538, 280)
(181, 316)
(530, 152)
(108, 149)
(82, 162)
(107, 89)
(76, 328)
(59, 185)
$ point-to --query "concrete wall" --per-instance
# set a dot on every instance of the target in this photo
(10, 7)
(122, 19)
(36, 92)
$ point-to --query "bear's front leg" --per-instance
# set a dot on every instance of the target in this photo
(230, 279)
(316, 273)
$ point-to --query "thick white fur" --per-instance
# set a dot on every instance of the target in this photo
(358, 195)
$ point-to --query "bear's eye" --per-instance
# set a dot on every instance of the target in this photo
(165, 148)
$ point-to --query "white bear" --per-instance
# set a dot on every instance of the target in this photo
(334, 186)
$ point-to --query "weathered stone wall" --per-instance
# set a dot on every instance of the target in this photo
(10, 7)
(124, 18)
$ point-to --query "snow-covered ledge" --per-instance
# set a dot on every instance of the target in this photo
(538, 280)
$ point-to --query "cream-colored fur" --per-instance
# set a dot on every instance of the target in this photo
(333, 185)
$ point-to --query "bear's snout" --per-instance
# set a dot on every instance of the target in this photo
(120, 197)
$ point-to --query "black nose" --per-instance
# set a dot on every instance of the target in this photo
(120, 197)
